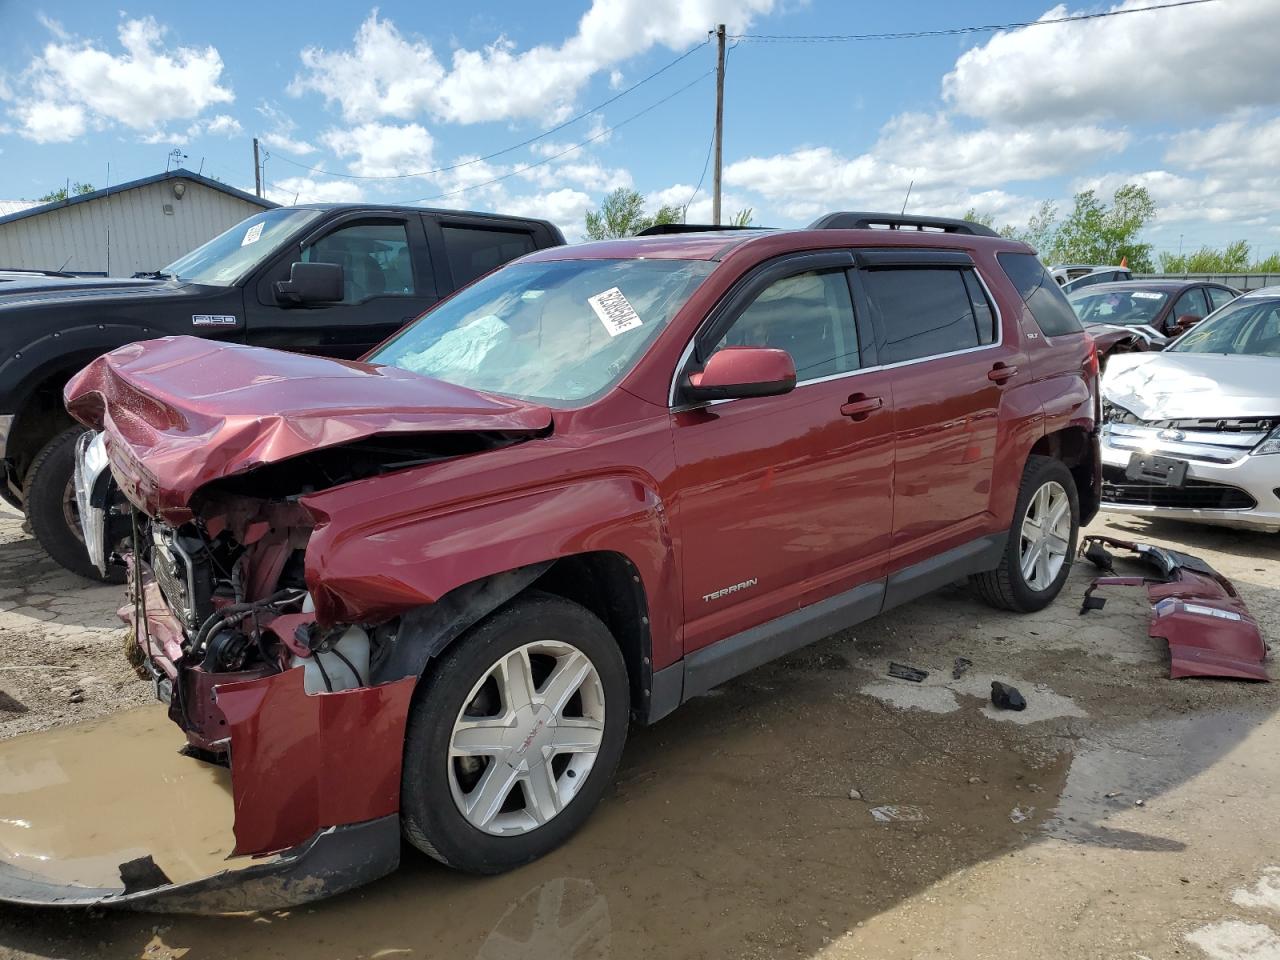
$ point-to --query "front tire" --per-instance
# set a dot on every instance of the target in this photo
(49, 503)
(1042, 540)
(514, 736)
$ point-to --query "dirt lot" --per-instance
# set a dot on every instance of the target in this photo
(813, 808)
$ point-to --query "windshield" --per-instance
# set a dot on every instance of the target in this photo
(1124, 307)
(1246, 327)
(229, 256)
(557, 331)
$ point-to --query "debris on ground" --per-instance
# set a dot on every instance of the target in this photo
(899, 813)
(903, 672)
(855, 793)
(1194, 609)
(1021, 814)
(1006, 697)
(962, 664)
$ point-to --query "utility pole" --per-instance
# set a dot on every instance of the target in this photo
(257, 170)
(715, 198)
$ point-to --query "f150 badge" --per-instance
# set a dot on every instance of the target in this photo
(213, 320)
(725, 591)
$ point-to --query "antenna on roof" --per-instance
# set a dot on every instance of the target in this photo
(907, 197)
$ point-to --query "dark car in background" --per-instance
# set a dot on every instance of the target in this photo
(1137, 315)
(328, 279)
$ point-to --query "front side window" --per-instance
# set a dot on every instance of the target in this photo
(560, 331)
(1246, 327)
(923, 312)
(1046, 301)
(473, 251)
(1190, 303)
(374, 257)
(810, 316)
(228, 257)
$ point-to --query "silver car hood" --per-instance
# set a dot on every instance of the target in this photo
(1169, 386)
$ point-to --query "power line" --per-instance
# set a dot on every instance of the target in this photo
(953, 31)
(505, 150)
(577, 146)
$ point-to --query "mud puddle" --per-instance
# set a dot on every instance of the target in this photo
(731, 832)
(78, 801)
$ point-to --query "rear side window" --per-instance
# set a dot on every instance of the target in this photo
(923, 311)
(1219, 296)
(473, 251)
(1043, 297)
(983, 313)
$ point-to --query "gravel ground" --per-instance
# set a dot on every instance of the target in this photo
(815, 807)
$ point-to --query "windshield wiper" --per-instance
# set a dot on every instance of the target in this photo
(154, 275)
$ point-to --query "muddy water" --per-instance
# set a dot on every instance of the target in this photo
(78, 801)
(730, 832)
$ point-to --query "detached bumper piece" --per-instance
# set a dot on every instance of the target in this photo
(1194, 609)
(331, 862)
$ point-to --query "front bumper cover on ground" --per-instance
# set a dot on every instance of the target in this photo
(333, 861)
(1194, 609)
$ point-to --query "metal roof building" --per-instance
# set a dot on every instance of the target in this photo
(125, 229)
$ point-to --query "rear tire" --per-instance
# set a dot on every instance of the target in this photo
(441, 797)
(48, 501)
(1047, 488)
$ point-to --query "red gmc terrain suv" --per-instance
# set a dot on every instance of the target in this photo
(428, 592)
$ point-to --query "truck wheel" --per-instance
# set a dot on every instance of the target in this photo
(1042, 541)
(50, 505)
(513, 736)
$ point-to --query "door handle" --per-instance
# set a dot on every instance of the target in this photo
(860, 406)
(1001, 372)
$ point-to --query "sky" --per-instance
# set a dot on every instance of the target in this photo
(450, 104)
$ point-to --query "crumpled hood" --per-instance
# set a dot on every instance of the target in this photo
(180, 412)
(1170, 386)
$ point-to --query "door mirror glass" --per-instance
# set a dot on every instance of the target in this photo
(734, 372)
(311, 283)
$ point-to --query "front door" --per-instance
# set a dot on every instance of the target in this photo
(387, 281)
(784, 500)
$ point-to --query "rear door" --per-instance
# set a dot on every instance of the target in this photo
(387, 281)
(938, 333)
(785, 500)
(466, 248)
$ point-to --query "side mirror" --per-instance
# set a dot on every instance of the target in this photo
(1186, 322)
(742, 372)
(311, 283)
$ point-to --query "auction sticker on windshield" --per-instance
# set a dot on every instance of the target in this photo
(614, 311)
(1144, 295)
(252, 235)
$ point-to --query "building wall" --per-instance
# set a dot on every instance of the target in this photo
(144, 236)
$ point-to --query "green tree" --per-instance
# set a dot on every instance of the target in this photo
(62, 193)
(1097, 233)
(742, 218)
(1037, 234)
(1234, 258)
(622, 215)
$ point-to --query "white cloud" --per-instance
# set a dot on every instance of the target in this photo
(1244, 144)
(281, 135)
(1169, 63)
(383, 150)
(952, 169)
(289, 190)
(74, 83)
(223, 125)
(47, 121)
(566, 208)
(1213, 198)
(386, 74)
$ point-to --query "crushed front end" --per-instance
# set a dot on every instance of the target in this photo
(296, 689)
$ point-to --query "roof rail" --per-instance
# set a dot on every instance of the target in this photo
(663, 229)
(894, 221)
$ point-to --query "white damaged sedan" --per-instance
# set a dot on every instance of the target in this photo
(1193, 433)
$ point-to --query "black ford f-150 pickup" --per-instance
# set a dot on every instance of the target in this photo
(327, 279)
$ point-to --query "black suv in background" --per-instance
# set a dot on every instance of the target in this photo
(319, 278)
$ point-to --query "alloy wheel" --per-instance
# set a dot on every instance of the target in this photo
(1045, 536)
(526, 738)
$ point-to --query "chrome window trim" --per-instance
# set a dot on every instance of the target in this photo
(998, 342)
